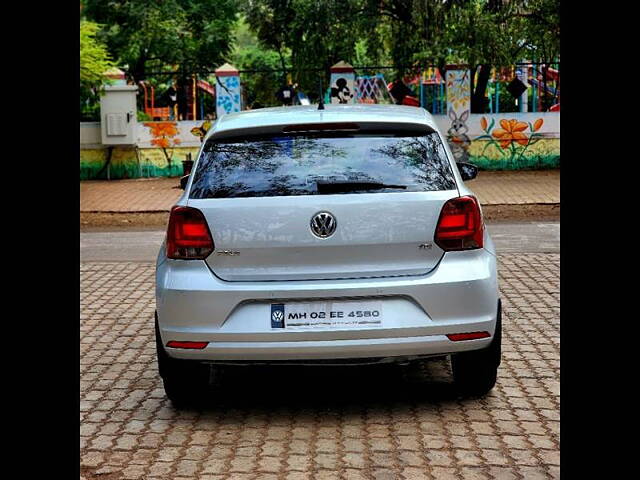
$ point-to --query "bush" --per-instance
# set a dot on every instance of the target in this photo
(143, 117)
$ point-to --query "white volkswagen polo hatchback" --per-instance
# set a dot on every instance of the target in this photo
(339, 235)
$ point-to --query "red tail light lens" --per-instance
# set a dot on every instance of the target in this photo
(187, 345)
(188, 235)
(460, 226)
(457, 337)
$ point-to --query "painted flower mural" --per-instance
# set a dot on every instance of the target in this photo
(163, 135)
(511, 140)
(511, 131)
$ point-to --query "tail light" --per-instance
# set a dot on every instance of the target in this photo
(460, 226)
(188, 235)
(458, 337)
(187, 345)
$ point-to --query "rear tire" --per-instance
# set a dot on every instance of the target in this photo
(475, 372)
(184, 381)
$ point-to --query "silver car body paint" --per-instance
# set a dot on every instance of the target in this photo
(378, 253)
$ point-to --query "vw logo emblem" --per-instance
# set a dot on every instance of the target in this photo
(323, 224)
(277, 316)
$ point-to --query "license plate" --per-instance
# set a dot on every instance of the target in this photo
(329, 314)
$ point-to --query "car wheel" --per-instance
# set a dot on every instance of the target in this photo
(184, 381)
(475, 372)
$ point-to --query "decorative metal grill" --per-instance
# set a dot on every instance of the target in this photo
(372, 89)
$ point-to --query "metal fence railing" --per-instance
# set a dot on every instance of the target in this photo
(191, 95)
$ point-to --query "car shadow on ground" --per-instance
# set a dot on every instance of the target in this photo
(329, 387)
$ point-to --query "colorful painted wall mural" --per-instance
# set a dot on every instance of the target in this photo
(164, 135)
(458, 91)
(459, 141)
(504, 141)
(228, 93)
(342, 83)
(131, 163)
(202, 130)
(458, 110)
(161, 148)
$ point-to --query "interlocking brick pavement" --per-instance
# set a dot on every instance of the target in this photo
(159, 194)
(139, 195)
(517, 188)
(287, 423)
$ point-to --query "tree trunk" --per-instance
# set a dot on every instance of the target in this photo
(137, 71)
(284, 66)
(478, 92)
(545, 102)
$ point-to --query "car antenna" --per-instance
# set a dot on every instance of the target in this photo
(321, 102)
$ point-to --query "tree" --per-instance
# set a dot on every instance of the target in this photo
(248, 54)
(148, 34)
(270, 22)
(94, 58)
(399, 23)
(318, 34)
(486, 34)
(480, 33)
(94, 62)
(306, 37)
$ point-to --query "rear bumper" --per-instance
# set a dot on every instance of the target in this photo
(459, 295)
(330, 349)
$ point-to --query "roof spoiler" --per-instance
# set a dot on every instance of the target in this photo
(329, 128)
(321, 127)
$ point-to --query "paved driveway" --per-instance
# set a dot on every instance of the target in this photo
(159, 194)
(359, 423)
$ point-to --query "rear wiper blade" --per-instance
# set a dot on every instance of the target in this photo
(346, 186)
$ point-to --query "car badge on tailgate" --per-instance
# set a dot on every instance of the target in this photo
(323, 224)
(277, 315)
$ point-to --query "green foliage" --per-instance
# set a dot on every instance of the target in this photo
(478, 35)
(259, 87)
(501, 33)
(494, 32)
(89, 106)
(94, 62)
(143, 117)
(318, 34)
(541, 29)
(94, 58)
(298, 36)
(403, 32)
(507, 101)
(148, 34)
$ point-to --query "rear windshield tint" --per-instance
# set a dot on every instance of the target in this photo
(305, 165)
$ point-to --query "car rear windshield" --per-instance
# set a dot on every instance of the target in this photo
(271, 166)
